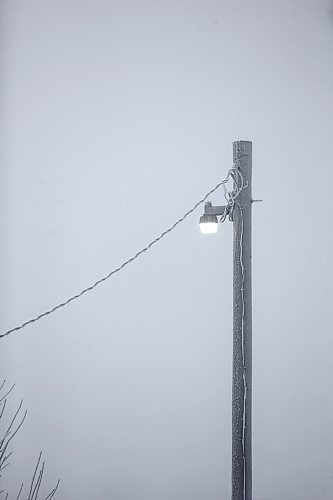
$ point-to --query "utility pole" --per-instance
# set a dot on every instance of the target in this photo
(242, 329)
(239, 209)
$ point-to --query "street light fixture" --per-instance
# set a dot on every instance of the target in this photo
(208, 222)
(239, 210)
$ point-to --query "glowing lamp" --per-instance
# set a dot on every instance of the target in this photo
(208, 224)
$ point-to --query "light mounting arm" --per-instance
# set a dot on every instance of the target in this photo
(213, 210)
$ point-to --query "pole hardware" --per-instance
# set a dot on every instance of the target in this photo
(213, 210)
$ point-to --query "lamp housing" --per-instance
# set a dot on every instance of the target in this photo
(208, 224)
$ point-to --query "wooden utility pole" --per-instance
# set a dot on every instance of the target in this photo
(239, 210)
(242, 329)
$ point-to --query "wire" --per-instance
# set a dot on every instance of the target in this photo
(229, 196)
(239, 185)
(244, 416)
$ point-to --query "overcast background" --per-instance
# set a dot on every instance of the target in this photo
(116, 117)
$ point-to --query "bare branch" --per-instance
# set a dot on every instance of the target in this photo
(38, 483)
(4, 464)
(12, 429)
(3, 407)
(51, 495)
(7, 440)
(34, 476)
(19, 493)
(8, 392)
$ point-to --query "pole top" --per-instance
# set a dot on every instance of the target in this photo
(241, 148)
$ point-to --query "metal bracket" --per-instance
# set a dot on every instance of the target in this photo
(213, 210)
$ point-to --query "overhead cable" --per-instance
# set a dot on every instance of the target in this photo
(230, 176)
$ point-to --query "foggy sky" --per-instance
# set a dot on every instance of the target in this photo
(116, 117)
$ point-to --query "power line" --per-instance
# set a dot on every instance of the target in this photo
(229, 176)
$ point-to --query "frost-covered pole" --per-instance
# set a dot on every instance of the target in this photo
(242, 330)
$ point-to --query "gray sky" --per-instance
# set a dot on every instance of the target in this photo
(117, 116)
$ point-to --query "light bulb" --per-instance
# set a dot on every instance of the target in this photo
(208, 224)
